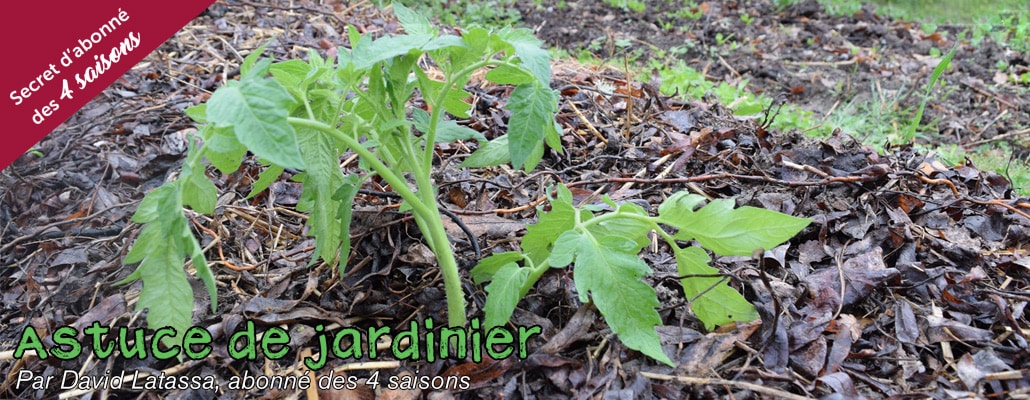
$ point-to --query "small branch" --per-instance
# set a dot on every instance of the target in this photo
(689, 380)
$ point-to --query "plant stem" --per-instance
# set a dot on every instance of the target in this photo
(423, 205)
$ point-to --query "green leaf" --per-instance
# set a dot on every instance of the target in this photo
(534, 157)
(149, 237)
(265, 179)
(366, 54)
(910, 131)
(198, 192)
(455, 102)
(629, 228)
(292, 74)
(530, 50)
(490, 154)
(223, 150)
(322, 179)
(728, 231)
(414, 23)
(540, 237)
(257, 109)
(166, 294)
(565, 248)
(447, 130)
(612, 279)
(487, 267)
(152, 206)
(442, 42)
(200, 264)
(198, 113)
(504, 294)
(507, 75)
(344, 197)
(252, 58)
(679, 205)
(532, 114)
(720, 304)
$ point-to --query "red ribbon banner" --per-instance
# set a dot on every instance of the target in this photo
(59, 55)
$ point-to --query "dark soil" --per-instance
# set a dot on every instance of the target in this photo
(910, 282)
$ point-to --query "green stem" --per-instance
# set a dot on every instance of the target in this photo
(438, 109)
(423, 205)
(653, 221)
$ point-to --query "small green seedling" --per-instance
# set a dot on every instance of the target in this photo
(910, 132)
(306, 115)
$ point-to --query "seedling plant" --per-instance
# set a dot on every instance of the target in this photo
(305, 115)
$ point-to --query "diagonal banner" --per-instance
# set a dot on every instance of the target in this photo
(62, 54)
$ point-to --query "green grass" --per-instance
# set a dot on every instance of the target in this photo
(997, 159)
(880, 119)
(1004, 21)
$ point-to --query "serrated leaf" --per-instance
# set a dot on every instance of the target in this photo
(149, 237)
(534, 158)
(676, 209)
(344, 197)
(198, 192)
(537, 242)
(492, 153)
(252, 58)
(366, 54)
(728, 231)
(323, 177)
(504, 293)
(223, 150)
(200, 264)
(257, 109)
(532, 109)
(166, 293)
(150, 209)
(447, 130)
(507, 75)
(552, 136)
(529, 49)
(265, 179)
(612, 279)
(487, 267)
(413, 22)
(291, 73)
(564, 250)
(455, 102)
(443, 41)
(720, 304)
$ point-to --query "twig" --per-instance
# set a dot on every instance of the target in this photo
(221, 256)
(39, 232)
(589, 125)
(690, 380)
(991, 95)
(996, 138)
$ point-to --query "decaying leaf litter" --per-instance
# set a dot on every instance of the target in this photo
(910, 280)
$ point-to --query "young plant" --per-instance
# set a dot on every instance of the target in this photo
(607, 269)
(304, 115)
(910, 132)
